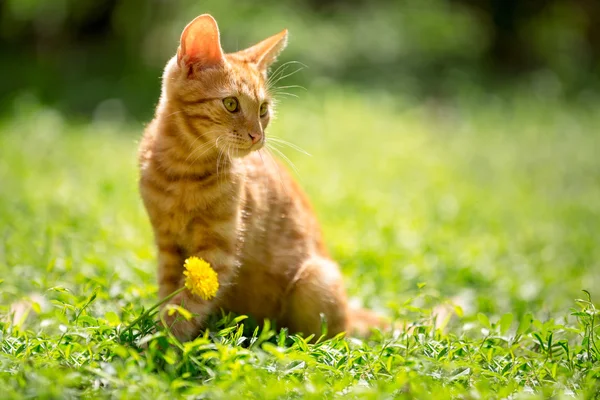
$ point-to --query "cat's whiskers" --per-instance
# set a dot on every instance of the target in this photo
(282, 66)
(224, 157)
(276, 164)
(290, 87)
(276, 140)
(283, 76)
(280, 90)
(280, 74)
(231, 149)
(224, 160)
(194, 149)
(173, 113)
(206, 147)
(265, 188)
(230, 160)
(219, 156)
(286, 159)
(275, 94)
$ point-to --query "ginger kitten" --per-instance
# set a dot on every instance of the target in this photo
(209, 193)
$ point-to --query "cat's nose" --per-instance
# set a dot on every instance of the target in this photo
(255, 137)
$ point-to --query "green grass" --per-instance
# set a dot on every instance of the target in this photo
(491, 204)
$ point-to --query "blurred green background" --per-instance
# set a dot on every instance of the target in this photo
(104, 57)
(455, 158)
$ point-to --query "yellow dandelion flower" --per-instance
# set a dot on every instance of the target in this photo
(200, 278)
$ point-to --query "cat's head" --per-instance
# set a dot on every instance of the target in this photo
(224, 98)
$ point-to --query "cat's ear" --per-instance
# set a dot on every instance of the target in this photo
(200, 44)
(265, 53)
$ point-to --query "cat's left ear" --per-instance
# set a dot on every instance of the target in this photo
(265, 53)
(200, 44)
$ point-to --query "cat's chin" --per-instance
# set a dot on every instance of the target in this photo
(239, 153)
(243, 152)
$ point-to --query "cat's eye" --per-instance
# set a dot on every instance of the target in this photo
(231, 104)
(264, 109)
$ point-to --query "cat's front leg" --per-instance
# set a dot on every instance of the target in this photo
(223, 263)
(170, 266)
(170, 279)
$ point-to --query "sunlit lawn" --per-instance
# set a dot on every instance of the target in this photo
(490, 204)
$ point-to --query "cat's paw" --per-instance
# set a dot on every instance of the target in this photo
(182, 317)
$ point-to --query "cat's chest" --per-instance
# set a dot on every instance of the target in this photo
(184, 208)
(219, 219)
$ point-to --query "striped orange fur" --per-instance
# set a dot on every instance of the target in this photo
(210, 193)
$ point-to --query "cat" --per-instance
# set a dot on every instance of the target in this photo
(209, 192)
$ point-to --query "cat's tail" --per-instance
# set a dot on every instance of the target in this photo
(363, 321)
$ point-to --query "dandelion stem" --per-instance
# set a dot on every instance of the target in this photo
(154, 307)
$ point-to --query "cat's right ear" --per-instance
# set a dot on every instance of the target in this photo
(200, 44)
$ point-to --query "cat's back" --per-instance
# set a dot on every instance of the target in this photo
(145, 146)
